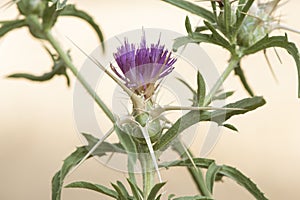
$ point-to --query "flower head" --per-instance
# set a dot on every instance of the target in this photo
(141, 66)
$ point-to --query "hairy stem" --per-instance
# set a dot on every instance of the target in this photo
(76, 73)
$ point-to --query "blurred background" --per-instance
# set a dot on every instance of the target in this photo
(37, 128)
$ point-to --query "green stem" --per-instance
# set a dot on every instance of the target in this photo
(76, 73)
(148, 173)
(232, 64)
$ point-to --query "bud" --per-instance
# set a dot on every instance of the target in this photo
(259, 22)
(36, 7)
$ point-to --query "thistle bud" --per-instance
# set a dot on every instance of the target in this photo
(36, 7)
(259, 22)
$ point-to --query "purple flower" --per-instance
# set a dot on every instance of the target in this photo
(141, 66)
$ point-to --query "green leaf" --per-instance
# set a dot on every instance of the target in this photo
(242, 180)
(194, 99)
(201, 28)
(211, 174)
(224, 170)
(201, 91)
(231, 127)
(196, 37)
(104, 147)
(155, 190)
(129, 145)
(199, 162)
(240, 73)
(11, 25)
(218, 38)
(137, 194)
(277, 41)
(197, 197)
(71, 10)
(123, 189)
(223, 96)
(59, 68)
(187, 85)
(94, 187)
(171, 196)
(248, 104)
(214, 7)
(121, 195)
(71, 161)
(192, 8)
(158, 197)
(182, 41)
(218, 116)
(188, 25)
(56, 186)
(74, 159)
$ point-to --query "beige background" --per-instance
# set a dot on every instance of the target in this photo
(37, 130)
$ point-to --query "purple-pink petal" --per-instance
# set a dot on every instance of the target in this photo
(142, 65)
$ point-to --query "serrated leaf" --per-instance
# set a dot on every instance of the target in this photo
(277, 41)
(199, 162)
(192, 8)
(242, 180)
(71, 10)
(11, 25)
(94, 187)
(211, 174)
(225, 170)
(218, 116)
(201, 90)
(155, 190)
(248, 104)
(59, 68)
(231, 127)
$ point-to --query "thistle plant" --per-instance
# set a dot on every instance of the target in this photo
(146, 132)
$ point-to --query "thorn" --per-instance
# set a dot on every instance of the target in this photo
(101, 140)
